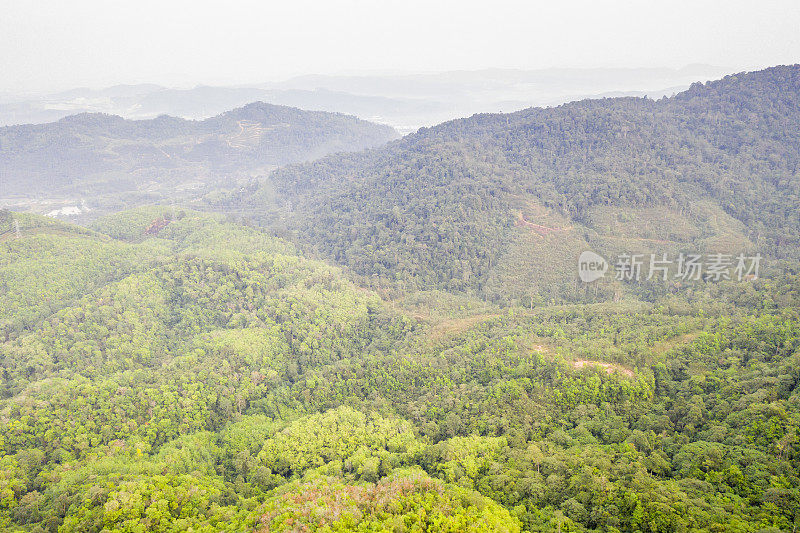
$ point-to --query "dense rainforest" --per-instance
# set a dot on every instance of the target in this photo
(169, 372)
(397, 339)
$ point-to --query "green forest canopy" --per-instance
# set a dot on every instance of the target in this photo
(202, 375)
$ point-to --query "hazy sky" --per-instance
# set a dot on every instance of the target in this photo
(51, 45)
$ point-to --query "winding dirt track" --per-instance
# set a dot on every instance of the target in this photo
(542, 231)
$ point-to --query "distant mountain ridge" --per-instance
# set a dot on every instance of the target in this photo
(404, 101)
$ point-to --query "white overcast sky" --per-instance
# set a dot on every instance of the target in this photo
(50, 45)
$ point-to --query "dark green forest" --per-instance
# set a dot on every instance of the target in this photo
(396, 339)
(467, 205)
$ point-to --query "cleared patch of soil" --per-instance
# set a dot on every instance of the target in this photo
(610, 368)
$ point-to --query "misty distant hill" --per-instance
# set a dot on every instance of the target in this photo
(405, 102)
(90, 156)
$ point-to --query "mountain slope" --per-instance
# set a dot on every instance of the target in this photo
(475, 204)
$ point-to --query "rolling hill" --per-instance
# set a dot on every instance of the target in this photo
(101, 162)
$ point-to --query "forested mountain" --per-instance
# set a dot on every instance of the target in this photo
(501, 205)
(165, 369)
(98, 162)
(173, 371)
